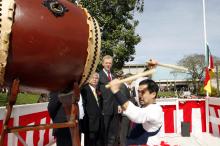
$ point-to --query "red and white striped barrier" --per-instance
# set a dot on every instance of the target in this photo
(24, 115)
(175, 111)
(214, 116)
(183, 110)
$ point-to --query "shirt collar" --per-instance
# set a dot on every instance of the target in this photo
(126, 85)
(92, 88)
(106, 72)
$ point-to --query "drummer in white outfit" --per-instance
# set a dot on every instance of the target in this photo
(149, 118)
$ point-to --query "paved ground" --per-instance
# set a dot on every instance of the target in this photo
(204, 139)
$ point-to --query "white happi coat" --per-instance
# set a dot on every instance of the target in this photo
(150, 116)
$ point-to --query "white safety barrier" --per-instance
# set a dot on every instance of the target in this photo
(214, 116)
(175, 111)
(183, 110)
(24, 115)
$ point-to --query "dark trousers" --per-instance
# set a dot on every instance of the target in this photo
(111, 129)
(63, 137)
(94, 139)
(124, 129)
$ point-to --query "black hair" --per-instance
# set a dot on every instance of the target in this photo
(151, 86)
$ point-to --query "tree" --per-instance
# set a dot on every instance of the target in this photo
(195, 64)
(117, 24)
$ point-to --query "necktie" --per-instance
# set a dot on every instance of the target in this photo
(109, 76)
(96, 97)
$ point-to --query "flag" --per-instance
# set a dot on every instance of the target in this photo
(209, 59)
(207, 82)
(208, 70)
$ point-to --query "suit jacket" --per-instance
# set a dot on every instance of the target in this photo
(57, 114)
(93, 110)
(110, 105)
(124, 90)
(125, 122)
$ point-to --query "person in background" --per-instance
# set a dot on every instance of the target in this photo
(81, 116)
(43, 98)
(58, 115)
(124, 121)
(93, 119)
(110, 106)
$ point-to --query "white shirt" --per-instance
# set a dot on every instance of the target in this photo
(151, 118)
(94, 93)
(126, 85)
(81, 111)
(107, 73)
(92, 88)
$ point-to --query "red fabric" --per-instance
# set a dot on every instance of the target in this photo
(169, 118)
(46, 134)
(9, 124)
(203, 115)
(36, 119)
(162, 143)
(187, 112)
(211, 66)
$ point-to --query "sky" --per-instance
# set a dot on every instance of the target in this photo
(172, 29)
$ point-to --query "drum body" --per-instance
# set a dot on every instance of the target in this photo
(46, 51)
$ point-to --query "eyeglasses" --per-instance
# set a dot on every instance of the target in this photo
(142, 92)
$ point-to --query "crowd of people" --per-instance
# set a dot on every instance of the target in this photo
(124, 114)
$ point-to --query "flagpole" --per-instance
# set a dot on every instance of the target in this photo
(204, 26)
(205, 44)
(205, 34)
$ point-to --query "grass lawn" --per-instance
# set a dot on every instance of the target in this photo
(23, 98)
(166, 94)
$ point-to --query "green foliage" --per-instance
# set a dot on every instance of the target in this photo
(23, 98)
(117, 24)
(166, 94)
(3, 99)
(214, 93)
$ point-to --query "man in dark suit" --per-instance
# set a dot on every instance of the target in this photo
(110, 106)
(93, 120)
(125, 122)
(58, 115)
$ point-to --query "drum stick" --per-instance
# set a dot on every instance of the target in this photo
(131, 78)
(172, 67)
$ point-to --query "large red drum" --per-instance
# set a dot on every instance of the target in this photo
(47, 44)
